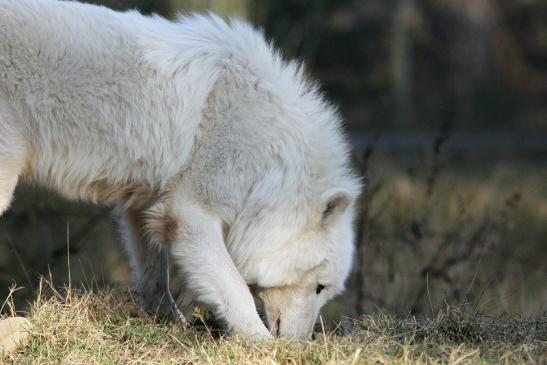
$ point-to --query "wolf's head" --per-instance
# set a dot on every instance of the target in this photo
(305, 273)
(273, 164)
(297, 261)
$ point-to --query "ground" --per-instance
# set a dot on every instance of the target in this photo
(104, 327)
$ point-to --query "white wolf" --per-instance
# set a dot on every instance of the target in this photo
(217, 150)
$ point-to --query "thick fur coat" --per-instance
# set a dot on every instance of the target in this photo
(216, 149)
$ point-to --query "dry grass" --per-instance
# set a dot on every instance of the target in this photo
(85, 327)
(468, 232)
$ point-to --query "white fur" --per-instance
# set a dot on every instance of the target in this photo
(214, 145)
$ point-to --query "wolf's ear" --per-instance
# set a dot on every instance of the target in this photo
(334, 202)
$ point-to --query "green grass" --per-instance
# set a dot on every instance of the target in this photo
(85, 327)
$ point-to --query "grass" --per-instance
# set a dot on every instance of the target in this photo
(86, 327)
(431, 233)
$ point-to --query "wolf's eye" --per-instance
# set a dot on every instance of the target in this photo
(319, 289)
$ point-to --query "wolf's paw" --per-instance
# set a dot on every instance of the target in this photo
(250, 337)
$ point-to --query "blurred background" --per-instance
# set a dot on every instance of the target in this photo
(445, 102)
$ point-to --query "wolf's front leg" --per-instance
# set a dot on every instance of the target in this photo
(149, 266)
(201, 254)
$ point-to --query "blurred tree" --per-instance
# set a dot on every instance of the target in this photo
(343, 42)
(420, 63)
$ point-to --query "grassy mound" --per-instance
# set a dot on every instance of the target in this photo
(86, 327)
